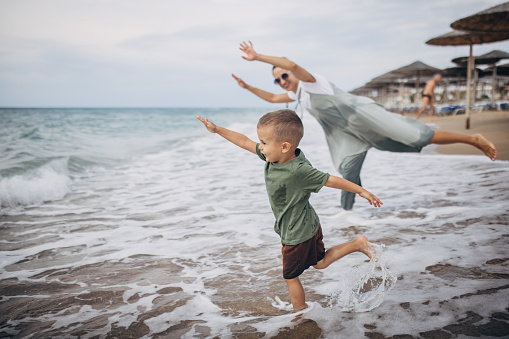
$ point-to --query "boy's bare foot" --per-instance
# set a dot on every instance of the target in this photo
(486, 146)
(366, 248)
(302, 308)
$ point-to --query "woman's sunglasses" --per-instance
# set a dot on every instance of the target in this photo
(284, 76)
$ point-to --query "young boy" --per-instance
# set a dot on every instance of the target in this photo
(290, 179)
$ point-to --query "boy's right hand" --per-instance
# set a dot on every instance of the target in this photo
(211, 127)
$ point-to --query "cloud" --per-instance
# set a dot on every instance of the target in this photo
(124, 52)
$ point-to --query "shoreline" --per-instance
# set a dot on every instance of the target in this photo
(494, 125)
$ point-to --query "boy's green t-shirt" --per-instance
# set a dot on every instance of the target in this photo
(289, 187)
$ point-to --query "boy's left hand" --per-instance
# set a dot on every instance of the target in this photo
(212, 128)
(373, 200)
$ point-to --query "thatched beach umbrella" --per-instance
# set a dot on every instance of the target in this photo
(417, 69)
(462, 62)
(365, 90)
(381, 89)
(486, 59)
(490, 58)
(456, 38)
(494, 19)
(458, 73)
(388, 77)
(502, 70)
(386, 80)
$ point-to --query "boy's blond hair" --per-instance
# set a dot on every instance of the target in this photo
(286, 125)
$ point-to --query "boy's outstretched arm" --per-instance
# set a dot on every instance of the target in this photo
(236, 138)
(345, 185)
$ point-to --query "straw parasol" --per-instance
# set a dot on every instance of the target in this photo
(494, 19)
(456, 74)
(385, 81)
(365, 90)
(387, 78)
(502, 70)
(492, 58)
(457, 71)
(486, 59)
(417, 69)
(457, 38)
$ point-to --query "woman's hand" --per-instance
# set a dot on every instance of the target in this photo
(251, 55)
(240, 81)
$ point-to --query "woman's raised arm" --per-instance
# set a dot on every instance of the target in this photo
(267, 96)
(299, 72)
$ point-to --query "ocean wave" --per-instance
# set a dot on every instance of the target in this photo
(32, 134)
(44, 151)
(50, 181)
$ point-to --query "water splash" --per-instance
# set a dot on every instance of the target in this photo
(280, 304)
(366, 287)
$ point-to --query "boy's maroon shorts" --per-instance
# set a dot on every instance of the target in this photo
(298, 258)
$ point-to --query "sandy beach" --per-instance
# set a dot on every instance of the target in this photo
(494, 125)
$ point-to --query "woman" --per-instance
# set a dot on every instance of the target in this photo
(352, 124)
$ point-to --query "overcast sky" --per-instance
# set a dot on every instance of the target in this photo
(169, 53)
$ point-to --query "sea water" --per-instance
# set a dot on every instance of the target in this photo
(140, 223)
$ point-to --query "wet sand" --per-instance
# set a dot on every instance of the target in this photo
(494, 125)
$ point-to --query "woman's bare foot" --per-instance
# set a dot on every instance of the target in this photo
(366, 248)
(485, 146)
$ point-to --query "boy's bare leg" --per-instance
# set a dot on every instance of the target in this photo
(295, 289)
(297, 295)
(337, 252)
(476, 140)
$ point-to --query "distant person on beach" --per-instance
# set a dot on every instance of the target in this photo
(428, 97)
(352, 124)
(290, 179)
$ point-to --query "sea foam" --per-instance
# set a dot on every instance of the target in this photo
(176, 237)
(48, 182)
